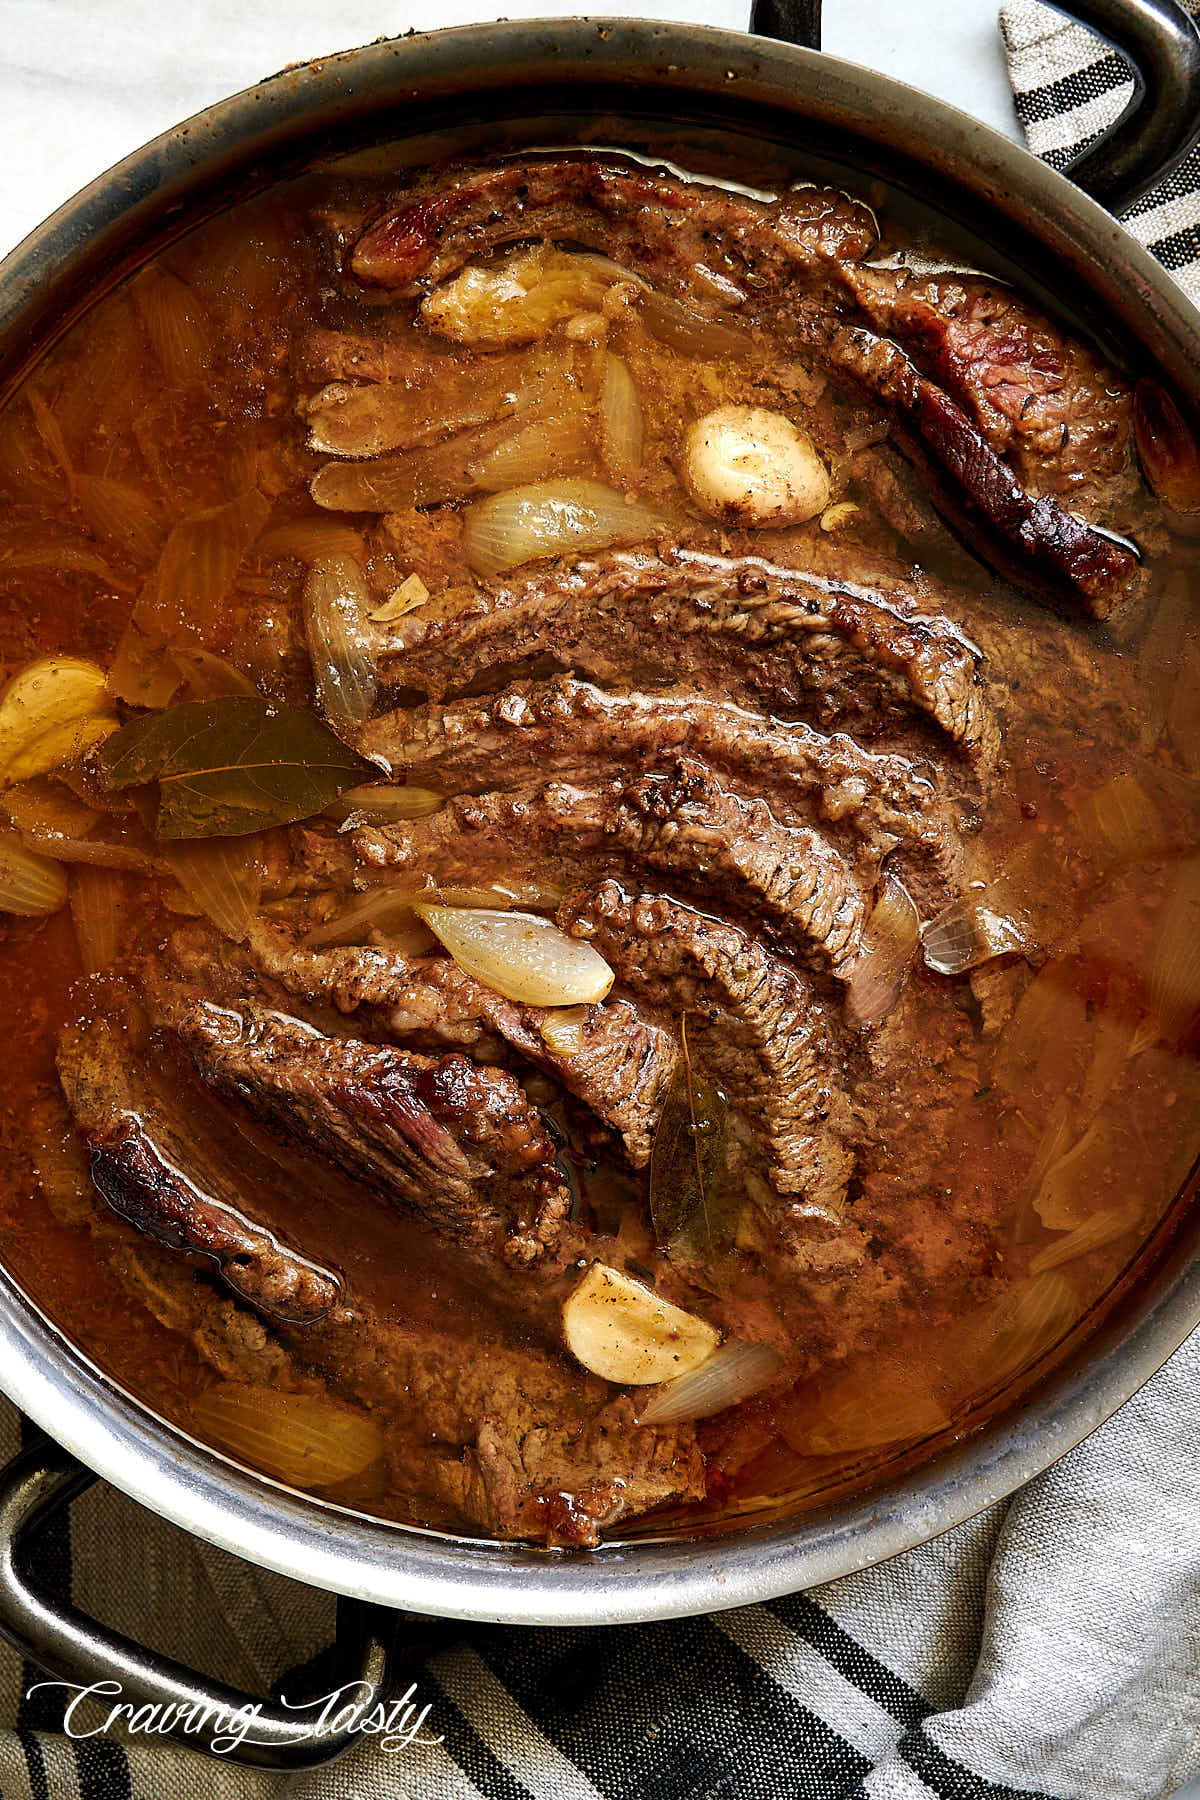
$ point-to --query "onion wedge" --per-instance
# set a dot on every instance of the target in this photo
(732, 1374)
(520, 955)
(552, 518)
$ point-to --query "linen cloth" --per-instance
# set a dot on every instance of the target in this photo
(1068, 87)
(1047, 1650)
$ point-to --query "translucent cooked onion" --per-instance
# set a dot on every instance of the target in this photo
(123, 515)
(623, 1332)
(977, 927)
(1069, 1167)
(50, 432)
(336, 603)
(1173, 978)
(732, 1374)
(1120, 820)
(518, 300)
(552, 518)
(29, 884)
(50, 713)
(307, 1440)
(54, 822)
(889, 943)
(66, 555)
(1104, 1227)
(184, 595)
(206, 676)
(562, 1029)
(97, 906)
(44, 808)
(180, 330)
(370, 420)
(384, 803)
(1169, 454)
(222, 876)
(1031, 1319)
(557, 443)
(622, 427)
(520, 955)
(681, 328)
(384, 909)
(311, 540)
(853, 1414)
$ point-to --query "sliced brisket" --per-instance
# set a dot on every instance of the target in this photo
(575, 731)
(760, 1031)
(458, 1143)
(1062, 552)
(738, 630)
(681, 822)
(620, 1072)
(159, 1177)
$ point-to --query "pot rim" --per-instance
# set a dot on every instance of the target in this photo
(648, 1579)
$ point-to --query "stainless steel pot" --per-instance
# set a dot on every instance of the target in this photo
(515, 83)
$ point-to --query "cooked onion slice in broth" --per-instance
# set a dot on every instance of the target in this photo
(732, 1374)
(30, 885)
(336, 603)
(622, 428)
(554, 518)
(520, 955)
(889, 943)
(307, 1440)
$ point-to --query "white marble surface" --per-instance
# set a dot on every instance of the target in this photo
(82, 82)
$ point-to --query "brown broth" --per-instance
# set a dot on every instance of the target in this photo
(1063, 1137)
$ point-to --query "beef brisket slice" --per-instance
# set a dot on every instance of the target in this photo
(575, 731)
(681, 823)
(1040, 398)
(458, 1143)
(511, 1441)
(761, 1032)
(163, 1181)
(620, 1071)
(737, 630)
(1036, 536)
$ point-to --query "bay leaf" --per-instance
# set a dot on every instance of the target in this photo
(686, 1160)
(232, 765)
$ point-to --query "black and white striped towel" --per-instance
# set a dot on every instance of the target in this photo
(1048, 1650)
(1068, 87)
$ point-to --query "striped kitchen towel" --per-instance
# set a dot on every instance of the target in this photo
(1047, 1650)
(1068, 87)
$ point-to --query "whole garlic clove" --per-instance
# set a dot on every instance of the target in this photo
(624, 1332)
(747, 466)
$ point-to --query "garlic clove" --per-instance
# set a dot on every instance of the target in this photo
(747, 466)
(625, 1333)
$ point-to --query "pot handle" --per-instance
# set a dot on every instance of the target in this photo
(1158, 127)
(79, 1651)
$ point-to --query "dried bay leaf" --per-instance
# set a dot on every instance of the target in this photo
(232, 765)
(686, 1160)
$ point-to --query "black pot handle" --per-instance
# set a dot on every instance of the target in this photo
(1158, 127)
(77, 1650)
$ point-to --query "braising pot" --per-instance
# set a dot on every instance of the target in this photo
(484, 87)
